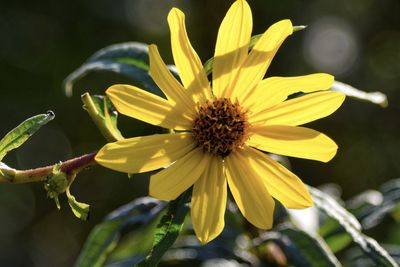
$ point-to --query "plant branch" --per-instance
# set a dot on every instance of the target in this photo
(70, 167)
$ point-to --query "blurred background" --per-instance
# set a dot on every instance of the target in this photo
(358, 41)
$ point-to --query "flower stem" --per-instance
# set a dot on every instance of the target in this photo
(70, 167)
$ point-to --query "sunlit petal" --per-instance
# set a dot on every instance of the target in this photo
(259, 59)
(145, 153)
(139, 104)
(293, 141)
(187, 61)
(275, 90)
(249, 190)
(232, 46)
(299, 110)
(173, 90)
(281, 183)
(209, 202)
(168, 184)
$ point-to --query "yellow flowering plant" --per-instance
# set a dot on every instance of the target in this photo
(225, 125)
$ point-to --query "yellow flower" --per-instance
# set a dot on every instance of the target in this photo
(222, 130)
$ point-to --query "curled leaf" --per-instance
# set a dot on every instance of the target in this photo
(22, 132)
(80, 210)
(103, 114)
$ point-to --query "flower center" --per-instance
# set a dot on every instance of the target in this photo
(220, 127)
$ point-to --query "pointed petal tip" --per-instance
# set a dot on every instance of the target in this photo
(327, 79)
(340, 97)
(156, 193)
(332, 153)
(205, 238)
(174, 11)
(306, 202)
(264, 225)
(152, 47)
(285, 22)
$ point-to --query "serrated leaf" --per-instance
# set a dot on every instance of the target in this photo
(105, 236)
(80, 210)
(350, 224)
(168, 229)
(22, 132)
(103, 115)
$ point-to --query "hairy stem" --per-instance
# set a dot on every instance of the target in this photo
(70, 167)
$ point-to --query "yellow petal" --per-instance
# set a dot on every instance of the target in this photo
(293, 141)
(139, 104)
(209, 202)
(281, 183)
(249, 191)
(173, 90)
(275, 90)
(187, 61)
(259, 59)
(168, 184)
(299, 110)
(145, 153)
(232, 46)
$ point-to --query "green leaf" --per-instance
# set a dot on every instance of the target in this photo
(129, 50)
(373, 97)
(128, 59)
(103, 115)
(339, 241)
(301, 249)
(372, 216)
(350, 224)
(168, 229)
(312, 248)
(22, 132)
(80, 210)
(104, 238)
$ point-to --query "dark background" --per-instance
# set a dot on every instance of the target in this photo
(41, 42)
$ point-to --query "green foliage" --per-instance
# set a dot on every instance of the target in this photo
(80, 210)
(128, 59)
(122, 238)
(103, 115)
(168, 229)
(301, 249)
(22, 132)
(352, 227)
(133, 217)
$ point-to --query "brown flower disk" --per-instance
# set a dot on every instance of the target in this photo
(220, 127)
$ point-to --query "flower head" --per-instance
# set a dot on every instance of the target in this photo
(224, 126)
